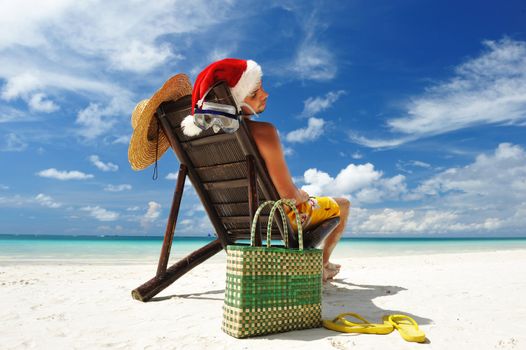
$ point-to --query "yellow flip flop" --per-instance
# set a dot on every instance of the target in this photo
(407, 327)
(341, 324)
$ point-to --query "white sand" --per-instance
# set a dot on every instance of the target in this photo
(461, 301)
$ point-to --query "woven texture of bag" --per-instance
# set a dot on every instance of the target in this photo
(272, 289)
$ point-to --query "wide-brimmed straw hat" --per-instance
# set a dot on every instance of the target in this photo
(148, 141)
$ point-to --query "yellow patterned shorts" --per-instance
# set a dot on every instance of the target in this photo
(313, 212)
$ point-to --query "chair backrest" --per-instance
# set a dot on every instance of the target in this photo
(218, 168)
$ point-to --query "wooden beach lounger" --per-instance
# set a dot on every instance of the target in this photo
(230, 178)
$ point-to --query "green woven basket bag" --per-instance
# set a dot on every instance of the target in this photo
(272, 289)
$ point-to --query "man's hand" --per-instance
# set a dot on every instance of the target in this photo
(303, 197)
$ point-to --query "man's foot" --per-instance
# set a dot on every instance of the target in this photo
(330, 270)
(333, 266)
(329, 274)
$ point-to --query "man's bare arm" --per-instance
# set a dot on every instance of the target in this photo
(267, 140)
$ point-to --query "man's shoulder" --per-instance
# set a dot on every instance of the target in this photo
(254, 122)
(263, 132)
(260, 125)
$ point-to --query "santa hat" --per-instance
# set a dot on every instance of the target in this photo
(242, 76)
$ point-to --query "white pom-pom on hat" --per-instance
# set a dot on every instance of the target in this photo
(248, 82)
(189, 128)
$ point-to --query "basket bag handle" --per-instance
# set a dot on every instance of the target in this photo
(277, 205)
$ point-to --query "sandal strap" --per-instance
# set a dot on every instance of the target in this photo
(394, 318)
(341, 317)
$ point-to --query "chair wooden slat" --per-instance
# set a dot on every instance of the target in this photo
(217, 138)
(227, 184)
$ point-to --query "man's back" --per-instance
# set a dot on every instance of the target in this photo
(267, 140)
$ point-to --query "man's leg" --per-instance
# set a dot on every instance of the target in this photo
(330, 270)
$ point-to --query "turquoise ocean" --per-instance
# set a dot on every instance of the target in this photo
(20, 249)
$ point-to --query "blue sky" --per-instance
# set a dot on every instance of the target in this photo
(414, 110)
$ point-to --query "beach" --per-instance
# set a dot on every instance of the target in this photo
(461, 300)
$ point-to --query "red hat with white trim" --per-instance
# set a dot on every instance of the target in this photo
(242, 76)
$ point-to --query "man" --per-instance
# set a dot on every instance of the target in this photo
(244, 79)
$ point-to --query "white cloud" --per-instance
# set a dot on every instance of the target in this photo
(142, 57)
(38, 103)
(195, 225)
(152, 213)
(19, 85)
(359, 183)
(53, 173)
(101, 214)
(110, 229)
(187, 183)
(420, 222)
(407, 166)
(96, 120)
(487, 196)
(357, 155)
(28, 31)
(91, 34)
(3, 187)
(348, 180)
(298, 180)
(288, 151)
(12, 143)
(313, 131)
(187, 222)
(118, 188)
(379, 143)
(133, 208)
(47, 201)
(488, 89)
(312, 59)
(314, 62)
(95, 160)
(113, 100)
(13, 201)
(171, 176)
(124, 139)
(97, 28)
(314, 105)
(61, 47)
(407, 221)
(9, 114)
(488, 177)
(420, 164)
(219, 53)
(23, 85)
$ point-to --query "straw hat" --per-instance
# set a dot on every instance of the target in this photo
(144, 144)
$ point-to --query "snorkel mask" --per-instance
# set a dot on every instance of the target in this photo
(217, 116)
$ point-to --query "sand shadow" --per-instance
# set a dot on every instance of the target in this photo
(339, 297)
(192, 296)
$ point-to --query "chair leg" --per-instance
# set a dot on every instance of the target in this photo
(172, 221)
(164, 277)
(155, 285)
